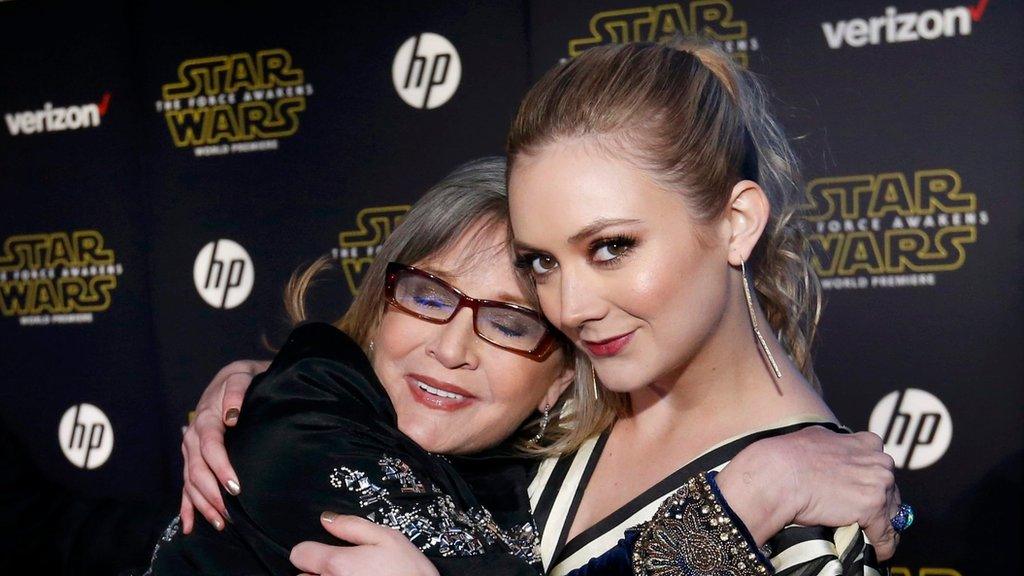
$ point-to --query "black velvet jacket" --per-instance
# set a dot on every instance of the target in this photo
(317, 432)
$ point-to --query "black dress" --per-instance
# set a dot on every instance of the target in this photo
(317, 433)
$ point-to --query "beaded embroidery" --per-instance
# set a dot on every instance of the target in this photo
(169, 533)
(435, 524)
(398, 471)
(691, 535)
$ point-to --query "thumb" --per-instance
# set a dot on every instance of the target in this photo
(355, 529)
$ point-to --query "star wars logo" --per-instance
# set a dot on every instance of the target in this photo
(357, 248)
(890, 230)
(234, 103)
(56, 278)
(663, 23)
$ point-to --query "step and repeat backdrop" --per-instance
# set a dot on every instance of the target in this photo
(165, 168)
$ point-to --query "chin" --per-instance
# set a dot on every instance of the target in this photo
(622, 379)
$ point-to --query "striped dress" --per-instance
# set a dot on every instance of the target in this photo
(558, 487)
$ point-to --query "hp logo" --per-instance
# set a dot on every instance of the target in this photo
(426, 70)
(85, 435)
(223, 273)
(915, 427)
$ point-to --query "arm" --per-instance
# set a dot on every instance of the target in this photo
(814, 477)
(319, 433)
(317, 413)
(206, 461)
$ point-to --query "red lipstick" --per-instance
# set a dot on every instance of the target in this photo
(609, 347)
(436, 394)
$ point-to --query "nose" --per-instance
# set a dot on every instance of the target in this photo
(580, 301)
(454, 343)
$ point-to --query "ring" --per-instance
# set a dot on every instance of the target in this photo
(903, 519)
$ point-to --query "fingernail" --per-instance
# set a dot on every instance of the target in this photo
(218, 524)
(233, 488)
(328, 517)
(232, 415)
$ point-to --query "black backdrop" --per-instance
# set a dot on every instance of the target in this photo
(164, 168)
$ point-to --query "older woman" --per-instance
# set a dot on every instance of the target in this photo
(421, 372)
(457, 362)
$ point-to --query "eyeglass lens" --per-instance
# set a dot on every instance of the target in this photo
(502, 326)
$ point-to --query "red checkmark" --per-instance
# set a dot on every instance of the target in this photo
(979, 10)
(105, 101)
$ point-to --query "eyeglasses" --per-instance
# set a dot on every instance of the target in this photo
(507, 326)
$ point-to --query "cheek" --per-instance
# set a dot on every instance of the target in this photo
(685, 300)
(517, 387)
(517, 384)
(397, 338)
(681, 290)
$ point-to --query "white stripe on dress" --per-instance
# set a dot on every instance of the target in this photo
(803, 552)
(560, 509)
(540, 480)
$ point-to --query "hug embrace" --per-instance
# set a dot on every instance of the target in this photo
(592, 357)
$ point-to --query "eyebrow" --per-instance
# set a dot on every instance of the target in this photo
(501, 296)
(512, 298)
(597, 226)
(586, 232)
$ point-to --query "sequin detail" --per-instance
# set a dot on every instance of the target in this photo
(691, 535)
(398, 471)
(434, 525)
(169, 533)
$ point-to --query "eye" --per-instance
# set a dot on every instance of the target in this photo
(429, 301)
(610, 249)
(542, 264)
(509, 329)
(536, 265)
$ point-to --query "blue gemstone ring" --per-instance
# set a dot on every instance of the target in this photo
(903, 519)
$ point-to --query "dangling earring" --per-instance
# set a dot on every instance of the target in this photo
(543, 423)
(370, 346)
(593, 376)
(753, 322)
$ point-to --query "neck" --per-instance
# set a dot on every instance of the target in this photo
(727, 388)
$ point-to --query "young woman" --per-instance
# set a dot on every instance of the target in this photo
(651, 199)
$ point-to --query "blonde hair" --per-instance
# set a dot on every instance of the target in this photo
(473, 194)
(699, 123)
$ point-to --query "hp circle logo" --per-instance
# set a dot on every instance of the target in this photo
(915, 427)
(426, 70)
(223, 273)
(86, 436)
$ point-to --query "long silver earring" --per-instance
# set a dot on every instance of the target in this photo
(593, 376)
(370, 346)
(753, 322)
(543, 423)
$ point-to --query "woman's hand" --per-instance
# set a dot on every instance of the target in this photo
(206, 461)
(815, 477)
(378, 551)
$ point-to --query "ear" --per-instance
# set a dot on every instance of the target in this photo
(557, 387)
(749, 210)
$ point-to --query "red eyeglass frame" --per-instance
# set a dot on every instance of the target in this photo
(538, 353)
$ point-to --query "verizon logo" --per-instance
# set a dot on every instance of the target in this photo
(895, 26)
(57, 118)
